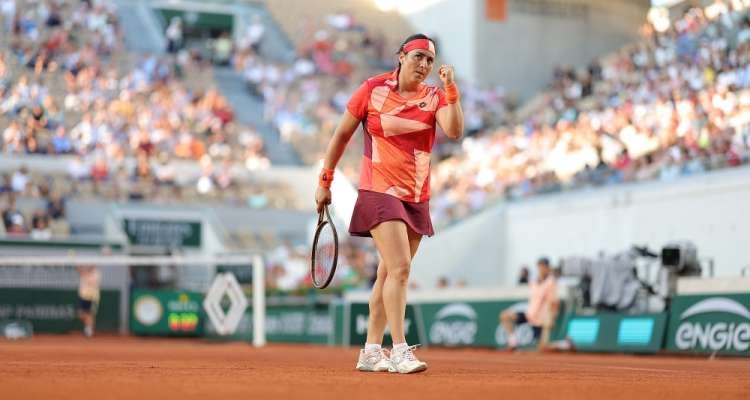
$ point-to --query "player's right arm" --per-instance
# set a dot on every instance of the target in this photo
(336, 147)
(341, 137)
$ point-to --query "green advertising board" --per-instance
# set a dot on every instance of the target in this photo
(202, 20)
(170, 233)
(297, 324)
(620, 333)
(55, 310)
(243, 273)
(467, 323)
(16, 329)
(473, 323)
(284, 324)
(710, 323)
(357, 326)
(166, 313)
(336, 312)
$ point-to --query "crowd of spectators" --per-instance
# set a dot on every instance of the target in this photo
(288, 267)
(305, 98)
(44, 218)
(125, 123)
(676, 103)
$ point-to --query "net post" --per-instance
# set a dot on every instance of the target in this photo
(259, 302)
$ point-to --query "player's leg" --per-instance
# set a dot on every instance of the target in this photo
(395, 243)
(392, 241)
(542, 335)
(373, 358)
(88, 330)
(84, 314)
(92, 316)
(377, 321)
(508, 319)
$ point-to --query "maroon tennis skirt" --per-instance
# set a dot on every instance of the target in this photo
(372, 208)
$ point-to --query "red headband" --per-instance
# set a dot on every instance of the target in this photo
(424, 44)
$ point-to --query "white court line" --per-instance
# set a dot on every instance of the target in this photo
(625, 368)
(525, 362)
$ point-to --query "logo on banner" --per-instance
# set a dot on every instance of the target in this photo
(183, 314)
(225, 284)
(361, 324)
(730, 331)
(17, 330)
(148, 310)
(454, 324)
(524, 332)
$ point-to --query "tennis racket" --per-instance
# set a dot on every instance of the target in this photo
(325, 251)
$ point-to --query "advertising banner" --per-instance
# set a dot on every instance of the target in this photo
(14, 330)
(56, 310)
(166, 313)
(302, 324)
(284, 324)
(170, 233)
(476, 323)
(710, 323)
(359, 313)
(613, 332)
(459, 324)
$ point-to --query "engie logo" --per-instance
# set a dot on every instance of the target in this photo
(524, 333)
(714, 332)
(454, 324)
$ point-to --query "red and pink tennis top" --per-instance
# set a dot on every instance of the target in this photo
(399, 134)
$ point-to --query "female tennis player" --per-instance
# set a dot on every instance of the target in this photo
(398, 112)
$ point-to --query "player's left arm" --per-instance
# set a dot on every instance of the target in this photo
(450, 117)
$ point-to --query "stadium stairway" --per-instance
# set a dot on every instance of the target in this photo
(249, 111)
(275, 44)
(142, 30)
(144, 34)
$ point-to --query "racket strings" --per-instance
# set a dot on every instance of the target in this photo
(325, 252)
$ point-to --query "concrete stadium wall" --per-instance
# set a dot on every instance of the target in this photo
(473, 250)
(711, 210)
(452, 23)
(521, 52)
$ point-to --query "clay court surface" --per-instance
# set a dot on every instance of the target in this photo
(71, 367)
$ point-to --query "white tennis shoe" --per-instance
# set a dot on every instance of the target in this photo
(373, 361)
(404, 362)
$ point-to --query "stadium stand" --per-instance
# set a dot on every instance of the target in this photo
(597, 126)
(121, 126)
(677, 103)
(142, 127)
(335, 53)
